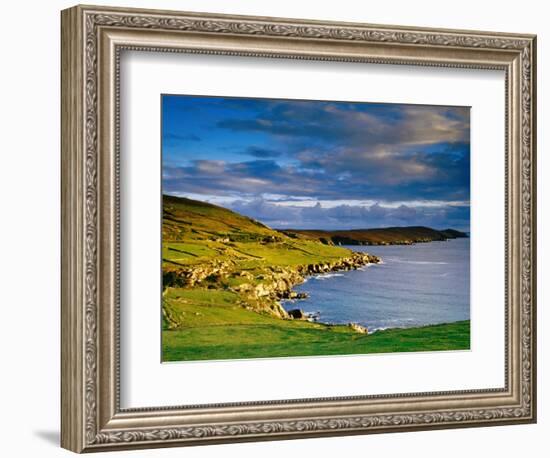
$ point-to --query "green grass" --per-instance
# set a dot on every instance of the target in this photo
(196, 233)
(211, 320)
(251, 254)
(214, 324)
(290, 253)
(292, 338)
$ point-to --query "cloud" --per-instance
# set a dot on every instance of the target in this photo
(381, 127)
(381, 145)
(221, 178)
(353, 216)
(341, 175)
(324, 151)
(396, 168)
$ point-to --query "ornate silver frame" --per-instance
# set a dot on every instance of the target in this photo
(92, 39)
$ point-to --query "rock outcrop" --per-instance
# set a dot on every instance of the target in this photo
(268, 288)
(277, 282)
(191, 275)
(358, 328)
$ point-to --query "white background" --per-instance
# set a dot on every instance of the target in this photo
(145, 76)
(29, 185)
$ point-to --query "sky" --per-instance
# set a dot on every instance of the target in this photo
(307, 164)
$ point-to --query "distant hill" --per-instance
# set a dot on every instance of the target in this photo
(186, 220)
(383, 236)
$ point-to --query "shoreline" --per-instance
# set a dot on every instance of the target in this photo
(273, 284)
(356, 261)
(224, 276)
(278, 283)
(293, 305)
(286, 291)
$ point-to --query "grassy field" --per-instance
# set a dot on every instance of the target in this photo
(213, 324)
(217, 327)
(221, 275)
(295, 339)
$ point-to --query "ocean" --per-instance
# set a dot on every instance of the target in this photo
(415, 285)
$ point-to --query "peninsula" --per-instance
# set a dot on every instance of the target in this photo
(407, 235)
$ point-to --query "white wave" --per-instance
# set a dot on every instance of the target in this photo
(381, 328)
(367, 266)
(326, 276)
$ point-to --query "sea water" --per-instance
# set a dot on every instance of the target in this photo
(414, 285)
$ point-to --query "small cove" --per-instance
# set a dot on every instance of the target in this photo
(415, 285)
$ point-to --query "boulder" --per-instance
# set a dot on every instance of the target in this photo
(296, 314)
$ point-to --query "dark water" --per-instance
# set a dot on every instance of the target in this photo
(420, 284)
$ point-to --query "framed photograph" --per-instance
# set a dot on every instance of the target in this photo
(277, 228)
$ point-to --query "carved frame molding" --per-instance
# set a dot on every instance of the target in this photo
(92, 39)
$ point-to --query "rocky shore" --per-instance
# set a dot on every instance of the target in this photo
(264, 289)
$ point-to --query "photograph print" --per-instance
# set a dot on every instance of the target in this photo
(313, 228)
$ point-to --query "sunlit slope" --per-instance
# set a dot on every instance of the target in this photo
(196, 232)
(211, 250)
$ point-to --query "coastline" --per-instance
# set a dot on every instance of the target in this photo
(278, 283)
(414, 288)
(225, 275)
(274, 284)
(264, 333)
(353, 262)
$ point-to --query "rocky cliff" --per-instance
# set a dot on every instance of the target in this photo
(265, 288)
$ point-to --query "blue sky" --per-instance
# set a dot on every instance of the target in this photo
(320, 164)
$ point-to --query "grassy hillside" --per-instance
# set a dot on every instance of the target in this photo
(209, 248)
(384, 236)
(197, 232)
(224, 275)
